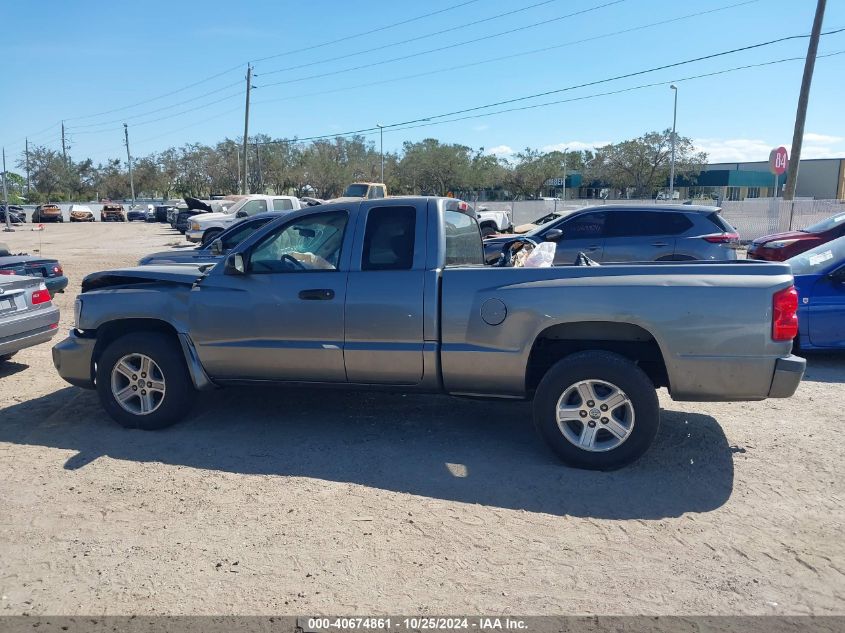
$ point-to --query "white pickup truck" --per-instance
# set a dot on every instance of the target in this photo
(205, 227)
(492, 222)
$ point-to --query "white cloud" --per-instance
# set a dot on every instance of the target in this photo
(742, 150)
(500, 150)
(574, 146)
(481, 127)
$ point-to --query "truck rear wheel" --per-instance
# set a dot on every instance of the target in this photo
(597, 410)
(143, 382)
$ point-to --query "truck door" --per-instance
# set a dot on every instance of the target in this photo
(282, 319)
(384, 295)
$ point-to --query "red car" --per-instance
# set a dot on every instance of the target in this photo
(781, 246)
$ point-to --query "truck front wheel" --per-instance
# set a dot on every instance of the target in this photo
(143, 382)
(597, 410)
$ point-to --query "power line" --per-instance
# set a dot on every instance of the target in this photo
(167, 107)
(363, 33)
(577, 86)
(450, 46)
(544, 49)
(412, 39)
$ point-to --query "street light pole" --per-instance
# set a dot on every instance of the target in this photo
(129, 161)
(381, 139)
(672, 167)
(565, 149)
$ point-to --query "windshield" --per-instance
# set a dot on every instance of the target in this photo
(818, 259)
(826, 225)
(356, 191)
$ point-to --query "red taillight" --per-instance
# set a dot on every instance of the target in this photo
(40, 296)
(7, 272)
(721, 238)
(785, 314)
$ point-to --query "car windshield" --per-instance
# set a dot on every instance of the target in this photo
(546, 219)
(356, 191)
(826, 225)
(819, 258)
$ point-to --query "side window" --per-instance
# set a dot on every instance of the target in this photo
(239, 233)
(282, 204)
(463, 240)
(376, 192)
(389, 239)
(640, 223)
(585, 226)
(310, 243)
(254, 206)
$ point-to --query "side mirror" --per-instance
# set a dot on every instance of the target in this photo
(553, 235)
(235, 264)
(217, 247)
(241, 214)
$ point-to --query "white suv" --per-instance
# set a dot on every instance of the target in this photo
(204, 227)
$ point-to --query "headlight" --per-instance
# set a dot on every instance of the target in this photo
(780, 243)
(195, 226)
(77, 312)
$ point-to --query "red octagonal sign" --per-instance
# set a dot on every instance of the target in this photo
(778, 161)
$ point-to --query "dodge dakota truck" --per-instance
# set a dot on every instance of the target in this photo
(393, 293)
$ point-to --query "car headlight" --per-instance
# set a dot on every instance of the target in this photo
(780, 243)
(77, 312)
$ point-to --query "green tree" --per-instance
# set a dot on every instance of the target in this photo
(642, 164)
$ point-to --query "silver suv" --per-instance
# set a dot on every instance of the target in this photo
(623, 233)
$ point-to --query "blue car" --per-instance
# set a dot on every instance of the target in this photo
(820, 282)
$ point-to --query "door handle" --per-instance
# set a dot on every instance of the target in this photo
(659, 244)
(316, 294)
(594, 247)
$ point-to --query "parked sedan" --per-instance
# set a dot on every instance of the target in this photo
(137, 213)
(619, 233)
(781, 246)
(27, 314)
(16, 214)
(80, 213)
(47, 213)
(50, 270)
(820, 282)
(228, 239)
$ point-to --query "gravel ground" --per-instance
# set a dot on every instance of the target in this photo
(293, 501)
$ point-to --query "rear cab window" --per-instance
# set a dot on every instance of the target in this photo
(389, 239)
(282, 204)
(462, 240)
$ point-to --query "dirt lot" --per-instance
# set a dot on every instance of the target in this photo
(293, 501)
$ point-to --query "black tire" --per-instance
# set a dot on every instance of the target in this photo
(610, 368)
(210, 235)
(487, 230)
(179, 394)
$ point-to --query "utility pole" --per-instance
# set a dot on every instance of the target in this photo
(245, 185)
(27, 168)
(674, 88)
(129, 161)
(64, 145)
(803, 98)
(565, 150)
(8, 228)
(381, 137)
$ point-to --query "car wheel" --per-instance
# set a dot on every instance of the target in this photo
(487, 231)
(597, 410)
(143, 382)
(210, 235)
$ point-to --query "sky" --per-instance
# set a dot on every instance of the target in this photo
(174, 72)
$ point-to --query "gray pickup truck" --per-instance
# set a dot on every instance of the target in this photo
(394, 293)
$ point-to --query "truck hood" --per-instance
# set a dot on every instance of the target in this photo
(205, 218)
(171, 274)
